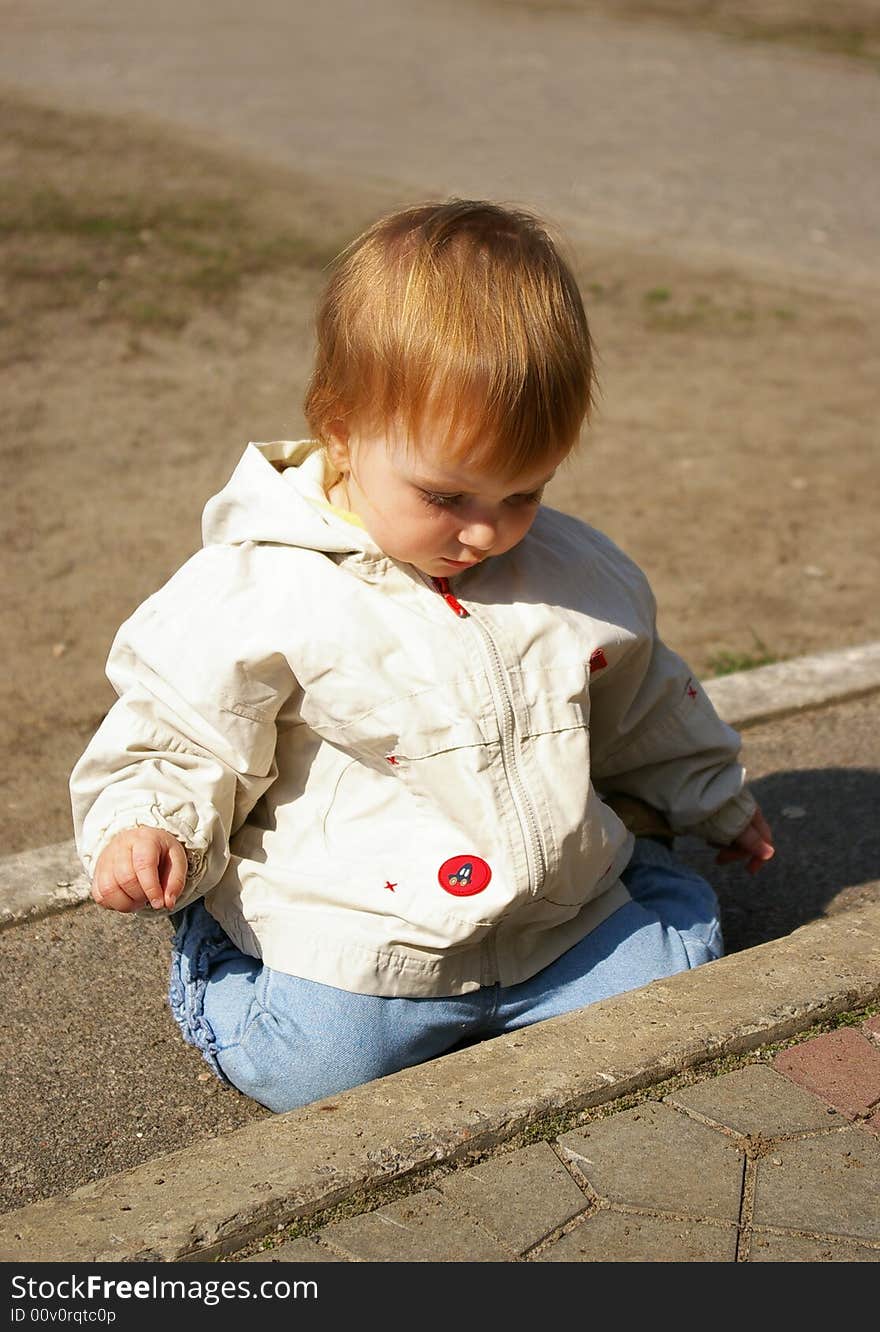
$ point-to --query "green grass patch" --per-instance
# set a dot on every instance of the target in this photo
(113, 233)
(729, 662)
(729, 313)
(135, 250)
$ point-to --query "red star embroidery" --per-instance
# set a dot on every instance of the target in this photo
(392, 759)
(390, 885)
(692, 693)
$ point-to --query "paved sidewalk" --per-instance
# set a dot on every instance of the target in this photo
(612, 1134)
(774, 1162)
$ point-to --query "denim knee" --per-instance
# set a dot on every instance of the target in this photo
(306, 1041)
(680, 897)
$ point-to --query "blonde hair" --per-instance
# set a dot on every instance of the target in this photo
(465, 308)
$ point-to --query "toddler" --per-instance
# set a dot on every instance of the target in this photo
(383, 744)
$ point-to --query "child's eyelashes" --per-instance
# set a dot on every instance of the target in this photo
(435, 500)
(439, 501)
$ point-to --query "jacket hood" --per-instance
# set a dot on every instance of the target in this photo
(278, 494)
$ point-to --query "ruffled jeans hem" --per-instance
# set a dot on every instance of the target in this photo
(198, 940)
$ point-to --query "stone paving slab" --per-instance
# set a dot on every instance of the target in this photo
(756, 1102)
(626, 1159)
(520, 1197)
(655, 1186)
(828, 1184)
(626, 1237)
(779, 1248)
(305, 1250)
(841, 1066)
(426, 1227)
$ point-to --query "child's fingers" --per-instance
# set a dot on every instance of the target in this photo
(140, 866)
(115, 884)
(757, 844)
(754, 846)
(146, 853)
(126, 877)
(759, 858)
(106, 893)
(761, 827)
(174, 873)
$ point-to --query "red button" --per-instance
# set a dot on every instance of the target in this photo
(464, 875)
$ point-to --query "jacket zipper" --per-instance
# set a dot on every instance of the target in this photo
(536, 859)
(442, 586)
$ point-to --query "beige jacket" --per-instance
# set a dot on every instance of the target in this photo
(376, 791)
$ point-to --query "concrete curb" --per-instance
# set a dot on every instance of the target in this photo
(222, 1193)
(35, 883)
(747, 698)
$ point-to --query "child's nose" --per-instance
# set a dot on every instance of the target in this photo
(479, 534)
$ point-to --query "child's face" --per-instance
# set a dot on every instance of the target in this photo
(424, 508)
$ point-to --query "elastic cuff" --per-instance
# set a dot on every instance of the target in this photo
(726, 824)
(193, 842)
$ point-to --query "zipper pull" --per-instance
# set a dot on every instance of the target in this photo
(442, 586)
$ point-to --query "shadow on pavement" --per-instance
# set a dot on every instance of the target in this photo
(827, 858)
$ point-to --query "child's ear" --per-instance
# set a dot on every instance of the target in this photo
(338, 445)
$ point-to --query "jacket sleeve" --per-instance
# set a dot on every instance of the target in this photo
(654, 734)
(189, 746)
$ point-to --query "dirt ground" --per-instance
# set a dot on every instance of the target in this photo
(157, 315)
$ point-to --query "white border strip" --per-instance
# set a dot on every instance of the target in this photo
(788, 687)
(35, 883)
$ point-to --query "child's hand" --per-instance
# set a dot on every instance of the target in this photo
(140, 866)
(754, 845)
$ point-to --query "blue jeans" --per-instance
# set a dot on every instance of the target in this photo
(285, 1041)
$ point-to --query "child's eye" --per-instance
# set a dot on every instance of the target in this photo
(439, 501)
